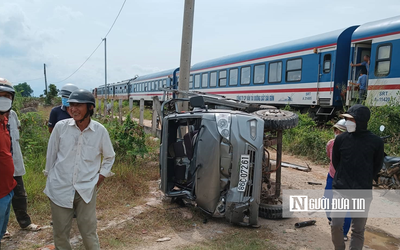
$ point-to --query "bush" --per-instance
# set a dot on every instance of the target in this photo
(128, 139)
(389, 116)
(307, 140)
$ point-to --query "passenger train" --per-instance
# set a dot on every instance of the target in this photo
(313, 72)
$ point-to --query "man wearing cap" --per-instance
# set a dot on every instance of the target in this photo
(74, 169)
(61, 112)
(357, 157)
(7, 182)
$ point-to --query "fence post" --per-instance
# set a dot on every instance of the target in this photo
(112, 109)
(157, 107)
(120, 110)
(99, 107)
(130, 107)
(154, 121)
(105, 108)
(141, 116)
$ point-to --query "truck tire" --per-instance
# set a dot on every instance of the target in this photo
(273, 212)
(276, 119)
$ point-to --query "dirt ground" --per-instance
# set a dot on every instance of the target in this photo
(194, 234)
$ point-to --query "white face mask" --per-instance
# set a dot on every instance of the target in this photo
(5, 104)
(350, 125)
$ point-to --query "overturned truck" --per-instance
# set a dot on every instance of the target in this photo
(216, 156)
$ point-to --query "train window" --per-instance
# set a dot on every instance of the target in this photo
(233, 77)
(245, 76)
(197, 81)
(213, 79)
(275, 72)
(204, 80)
(222, 78)
(293, 70)
(165, 83)
(382, 67)
(259, 74)
(191, 82)
(327, 63)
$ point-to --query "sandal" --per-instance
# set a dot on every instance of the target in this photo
(6, 235)
(32, 227)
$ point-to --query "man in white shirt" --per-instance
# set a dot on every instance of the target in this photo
(74, 168)
(19, 201)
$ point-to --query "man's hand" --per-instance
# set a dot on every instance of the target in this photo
(101, 179)
(351, 64)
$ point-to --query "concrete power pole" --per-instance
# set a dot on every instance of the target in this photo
(105, 68)
(45, 78)
(186, 51)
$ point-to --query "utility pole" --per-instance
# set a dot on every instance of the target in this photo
(45, 78)
(186, 51)
(105, 68)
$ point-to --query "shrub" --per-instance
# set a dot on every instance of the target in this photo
(128, 138)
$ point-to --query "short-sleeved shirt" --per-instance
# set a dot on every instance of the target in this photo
(362, 80)
(329, 147)
(7, 182)
(366, 65)
(57, 114)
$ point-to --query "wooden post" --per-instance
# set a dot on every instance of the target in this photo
(99, 108)
(120, 110)
(112, 109)
(130, 107)
(141, 108)
(105, 107)
(157, 107)
(154, 121)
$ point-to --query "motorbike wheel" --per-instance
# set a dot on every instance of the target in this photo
(268, 211)
(276, 119)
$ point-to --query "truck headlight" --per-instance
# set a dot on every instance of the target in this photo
(253, 129)
(223, 124)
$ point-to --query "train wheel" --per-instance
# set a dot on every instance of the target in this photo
(276, 119)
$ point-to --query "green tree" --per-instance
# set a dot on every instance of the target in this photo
(53, 91)
(24, 89)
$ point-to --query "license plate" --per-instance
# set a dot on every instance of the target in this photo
(244, 173)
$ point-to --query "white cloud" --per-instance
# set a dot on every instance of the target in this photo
(65, 14)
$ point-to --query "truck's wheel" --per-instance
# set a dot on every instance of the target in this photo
(276, 119)
(267, 211)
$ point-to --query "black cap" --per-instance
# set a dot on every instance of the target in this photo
(82, 96)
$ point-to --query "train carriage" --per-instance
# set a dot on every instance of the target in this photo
(380, 40)
(306, 72)
(151, 85)
(312, 74)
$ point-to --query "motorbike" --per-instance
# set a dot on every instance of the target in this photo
(389, 176)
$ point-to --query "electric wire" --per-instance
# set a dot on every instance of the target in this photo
(87, 59)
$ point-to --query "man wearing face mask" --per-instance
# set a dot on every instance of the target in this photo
(357, 157)
(61, 112)
(7, 182)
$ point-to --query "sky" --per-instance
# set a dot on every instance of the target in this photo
(146, 37)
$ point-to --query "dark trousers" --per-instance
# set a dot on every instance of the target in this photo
(20, 203)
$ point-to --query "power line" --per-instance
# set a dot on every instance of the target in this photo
(87, 59)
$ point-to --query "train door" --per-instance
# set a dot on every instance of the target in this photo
(360, 50)
(325, 81)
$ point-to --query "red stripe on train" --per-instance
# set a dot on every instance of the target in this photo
(384, 87)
